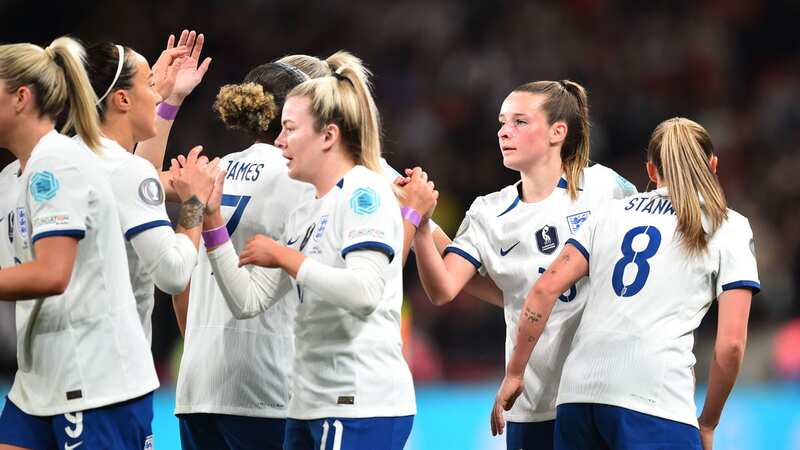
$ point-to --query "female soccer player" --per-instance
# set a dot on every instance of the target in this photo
(85, 372)
(513, 234)
(657, 261)
(351, 385)
(239, 401)
(127, 99)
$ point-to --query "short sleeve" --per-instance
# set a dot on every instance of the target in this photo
(139, 196)
(584, 237)
(737, 258)
(58, 197)
(368, 216)
(470, 237)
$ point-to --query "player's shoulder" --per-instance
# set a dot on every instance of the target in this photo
(599, 177)
(54, 151)
(365, 190)
(497, 203)
(10, 170)
(736, 224)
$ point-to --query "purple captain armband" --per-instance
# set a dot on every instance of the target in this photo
(411, 215)
(216, 237)
(167, 111)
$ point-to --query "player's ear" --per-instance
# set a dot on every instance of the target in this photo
(120, 100)
(330, 135)
(558, 132)
(712, 163)
(652, 172)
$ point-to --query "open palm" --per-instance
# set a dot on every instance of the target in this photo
(190, 71)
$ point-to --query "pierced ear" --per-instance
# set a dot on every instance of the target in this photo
(558, 132)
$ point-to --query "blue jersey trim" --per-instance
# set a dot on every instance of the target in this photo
(132, 232)
(340, 183)
(68, 233)
(370, 245)
(743, 284)
(472, 260)
(513, 205)
(579, 246)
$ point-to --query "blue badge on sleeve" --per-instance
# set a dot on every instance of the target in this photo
(576, 220)
(364, 201)
(44, 186)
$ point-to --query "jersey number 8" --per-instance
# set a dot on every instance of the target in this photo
(631, 256)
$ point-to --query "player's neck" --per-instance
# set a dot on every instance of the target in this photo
(333, 171)
(539, 180)
(25, 137)
(118, 130)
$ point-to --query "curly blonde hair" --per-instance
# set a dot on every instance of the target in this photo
(246, 107)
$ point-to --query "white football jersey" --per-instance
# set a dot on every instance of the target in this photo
(242, 367)
(85, 348)
(8, 186)
(349, 365)
(633, 347)
(140, 202)
(513, 242)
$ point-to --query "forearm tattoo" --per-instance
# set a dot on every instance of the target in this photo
(532, 316)
(191, 213)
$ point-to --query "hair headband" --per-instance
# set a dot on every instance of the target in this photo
(302, 76)
(120, 63)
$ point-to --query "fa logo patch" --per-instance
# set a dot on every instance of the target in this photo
(576, 220)
(547, 239)
(44, 186)
(364, 201)
(323, 222)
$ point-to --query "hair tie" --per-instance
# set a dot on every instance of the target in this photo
(50, 53)
(563, 85)
(120, 63)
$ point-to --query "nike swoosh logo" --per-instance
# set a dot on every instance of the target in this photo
(505, 252)
(70, 447)
(290, 242)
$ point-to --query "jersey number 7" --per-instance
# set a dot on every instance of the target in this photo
(240, 203)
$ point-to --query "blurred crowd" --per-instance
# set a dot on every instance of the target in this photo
(441, 70)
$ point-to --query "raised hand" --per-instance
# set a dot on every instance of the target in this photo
(165, 70)
(261, 251)
(506, 396)
(194, 175)
(417, 192)
(190, 71)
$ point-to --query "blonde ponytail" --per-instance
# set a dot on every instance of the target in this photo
(57, 78)
(680, 149)
(82, 114)
(345, 98)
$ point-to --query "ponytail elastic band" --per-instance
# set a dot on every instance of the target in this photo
(120, 63)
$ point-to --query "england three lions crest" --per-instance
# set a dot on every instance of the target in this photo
(547, 239)
(576, 220)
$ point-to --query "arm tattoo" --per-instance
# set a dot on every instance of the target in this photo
(532, 315)
(191, 213)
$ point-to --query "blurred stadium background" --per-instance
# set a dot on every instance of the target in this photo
(442, 68)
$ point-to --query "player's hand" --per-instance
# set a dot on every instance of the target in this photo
(194, 175)
(165, 70)
(506, 396)
(418, 192)
(261, 251)
(215, 199)
(706, 435)
(190, 71)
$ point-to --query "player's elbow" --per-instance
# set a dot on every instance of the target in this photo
(55, 283)
(441, 298)
(171, 285)
(544, 289)
(729, 350)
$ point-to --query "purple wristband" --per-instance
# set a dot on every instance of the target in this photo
(167, 111)
(411, 215)
(216, 237)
